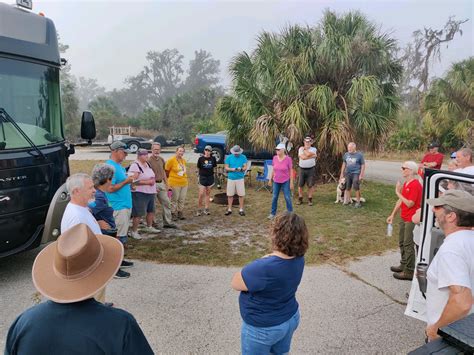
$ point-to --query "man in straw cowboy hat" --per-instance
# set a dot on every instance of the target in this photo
(235, 165)
(70, 272)
(451, 272)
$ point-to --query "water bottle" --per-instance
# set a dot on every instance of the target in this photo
(389, 229)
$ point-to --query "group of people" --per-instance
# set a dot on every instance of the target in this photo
(71, 271)
(450, 275)
(75, 270)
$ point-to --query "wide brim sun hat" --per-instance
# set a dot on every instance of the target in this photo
(76, 266)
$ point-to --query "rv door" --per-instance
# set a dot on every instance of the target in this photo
(435, 183)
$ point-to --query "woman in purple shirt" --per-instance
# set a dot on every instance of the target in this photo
(282, 179)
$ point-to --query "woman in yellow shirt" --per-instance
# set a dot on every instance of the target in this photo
(176, 171)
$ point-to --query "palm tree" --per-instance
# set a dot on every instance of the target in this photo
(449, 105)
(336, 81)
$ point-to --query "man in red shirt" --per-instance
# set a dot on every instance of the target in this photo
(433, 159)
(409, 200)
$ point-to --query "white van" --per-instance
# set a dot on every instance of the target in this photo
(431, 237)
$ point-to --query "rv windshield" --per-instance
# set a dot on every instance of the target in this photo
(30, 94)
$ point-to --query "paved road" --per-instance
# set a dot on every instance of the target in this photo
(377, 170)
(191, 309)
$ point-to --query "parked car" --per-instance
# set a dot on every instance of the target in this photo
(169, 142)
(218, 142)
(135, 143)
(431, 236)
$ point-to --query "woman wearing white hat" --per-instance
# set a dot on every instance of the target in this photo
(409, 200)
(281, 178)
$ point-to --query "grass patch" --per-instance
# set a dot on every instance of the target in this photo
(337, 233)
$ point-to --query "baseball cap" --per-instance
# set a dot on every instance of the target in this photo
(280, 146)
(459, 199)
(142, 151)
(308, 139)
(117, 145)
(433, 145)
(208, 147)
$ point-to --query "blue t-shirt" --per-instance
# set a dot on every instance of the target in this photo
(101, 208)
(354, 162)
(236, 162)
(272, 283)
(120, 199)
(86, 327)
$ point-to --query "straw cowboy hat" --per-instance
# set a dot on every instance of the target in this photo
(77, 265)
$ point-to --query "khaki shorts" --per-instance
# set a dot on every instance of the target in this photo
(236, 187)
(122, 221)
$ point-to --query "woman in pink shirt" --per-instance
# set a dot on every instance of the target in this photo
(282, 179)
(143, 193)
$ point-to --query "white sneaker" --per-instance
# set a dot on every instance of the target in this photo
(271, 217)
(135, 235)
(151, 229)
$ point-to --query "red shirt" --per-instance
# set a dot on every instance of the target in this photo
(411, 191)
(433, 158)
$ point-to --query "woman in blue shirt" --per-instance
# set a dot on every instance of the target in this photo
(268, 285)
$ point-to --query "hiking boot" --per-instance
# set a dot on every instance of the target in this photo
(242, 213)
(198, 213)
(171, 225)
(403, 276)
(122, 274)
(300, 201)
(228, 212)
(135, 235)
(310, 201)
(181, 216)
(126, 264)
(151, 229)
(206, 212)
(398, 268)
(271, 217)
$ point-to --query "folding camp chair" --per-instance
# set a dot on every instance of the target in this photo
(264, 177)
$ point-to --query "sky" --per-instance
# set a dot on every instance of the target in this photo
(109, 39)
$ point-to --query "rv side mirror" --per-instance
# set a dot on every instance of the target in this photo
(88, 126)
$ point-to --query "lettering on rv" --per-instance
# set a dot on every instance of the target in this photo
(13, 178)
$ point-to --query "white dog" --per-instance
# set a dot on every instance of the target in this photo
(340, 190)
(341, 187)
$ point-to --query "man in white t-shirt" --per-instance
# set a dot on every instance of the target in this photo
(81, 189)
(451, 272)
(307, 169)
(464, 161)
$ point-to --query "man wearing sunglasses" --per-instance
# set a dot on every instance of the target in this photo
(451, 272)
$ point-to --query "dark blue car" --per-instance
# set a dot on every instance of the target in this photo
(218, 142)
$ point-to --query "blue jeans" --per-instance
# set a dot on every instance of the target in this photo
(285, 186)
(268, 340)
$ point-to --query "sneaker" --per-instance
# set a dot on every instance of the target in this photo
(228, 212)
(300, 201)
(206, 212)
(135, 235)
(151, 229)
(357, 205)
(126, 263)
(171, 225)
(310, 201)
(122, 274)
(403, 276)
(198, 213)
(242, 213)
(398, 268)
(271, 217)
